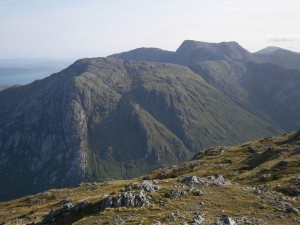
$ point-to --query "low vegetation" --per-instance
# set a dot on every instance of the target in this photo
(254, 183)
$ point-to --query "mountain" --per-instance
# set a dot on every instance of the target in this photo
(282, 57)
(190, 51)
(122, 116)
(262, 87)
(2, 87)
(109, 119)
(253, 183)
(245, 78)
(147, 54)
(276, 91)
(267, 50)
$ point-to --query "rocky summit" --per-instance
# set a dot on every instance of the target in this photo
(122, 116)
(254, 183)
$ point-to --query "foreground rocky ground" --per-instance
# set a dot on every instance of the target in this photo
(254, 183)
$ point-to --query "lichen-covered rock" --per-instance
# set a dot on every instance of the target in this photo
(146, 185)
(177, 193)
(150, 186)
(217, 180)
(126, 199)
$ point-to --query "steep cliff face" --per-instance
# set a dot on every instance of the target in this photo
(42, 130)
(104, 118)
(276, 91)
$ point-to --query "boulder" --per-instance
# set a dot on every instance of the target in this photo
(197, 192)
(198, 219)
(191, 180)
(217, 180)
(80, 206)
(146, 185)
(106, 203)
(126, 199)
(67, 205)
(177, 193)
(149, 186)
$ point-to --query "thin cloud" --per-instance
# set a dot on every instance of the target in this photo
(283, 38)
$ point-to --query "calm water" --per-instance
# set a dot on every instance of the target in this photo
(25, 71)
(22, 78)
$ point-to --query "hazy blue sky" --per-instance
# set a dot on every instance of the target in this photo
(87, 28)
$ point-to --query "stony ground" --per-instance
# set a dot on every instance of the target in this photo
(254, 183)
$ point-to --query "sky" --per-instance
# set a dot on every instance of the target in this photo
(94, 28)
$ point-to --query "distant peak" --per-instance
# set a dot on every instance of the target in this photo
(198, 50)
(145, 54)
(268, 50)
(205, 44)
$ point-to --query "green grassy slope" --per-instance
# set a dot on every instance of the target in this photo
(261, 187)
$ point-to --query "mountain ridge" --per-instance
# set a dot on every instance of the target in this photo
(232, 51)
(108, 118)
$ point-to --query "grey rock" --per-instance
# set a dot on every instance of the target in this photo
(259, 190)
(224, 220)
(162, 176)
(197, 192)
(280, 203)
(217, 180)
(198, 219)
(67, 205)
(146, 185)
(5, 223)
(80, 206)
(126, 199)
(106, 203)
(191, 180)
(133, 186)
(150, 186)
(177, 193)
(117, 202)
